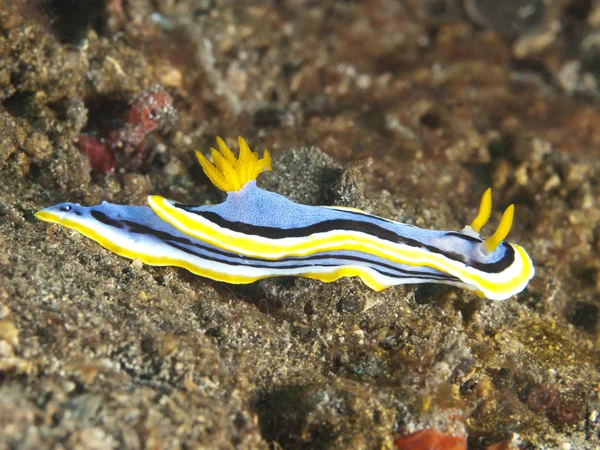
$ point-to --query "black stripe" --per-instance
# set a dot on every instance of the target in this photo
(424, 276)
(175, 241)
(361, 227)
(271, 264)
(101, 217)
(254, 261)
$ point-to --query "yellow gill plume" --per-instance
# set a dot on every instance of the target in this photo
(229, 173)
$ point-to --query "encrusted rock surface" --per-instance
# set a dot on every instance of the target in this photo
(404, 109)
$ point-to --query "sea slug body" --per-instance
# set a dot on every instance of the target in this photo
(256, 234)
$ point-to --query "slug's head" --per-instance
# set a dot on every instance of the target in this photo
(229, 173)
(60, 213)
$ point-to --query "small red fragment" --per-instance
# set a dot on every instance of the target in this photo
(149, 111)
(430, 439)
(97, 152)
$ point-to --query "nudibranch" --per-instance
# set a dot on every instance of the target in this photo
(256, 234)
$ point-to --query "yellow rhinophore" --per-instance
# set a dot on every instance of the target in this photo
(485, 211)
(501, 232)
